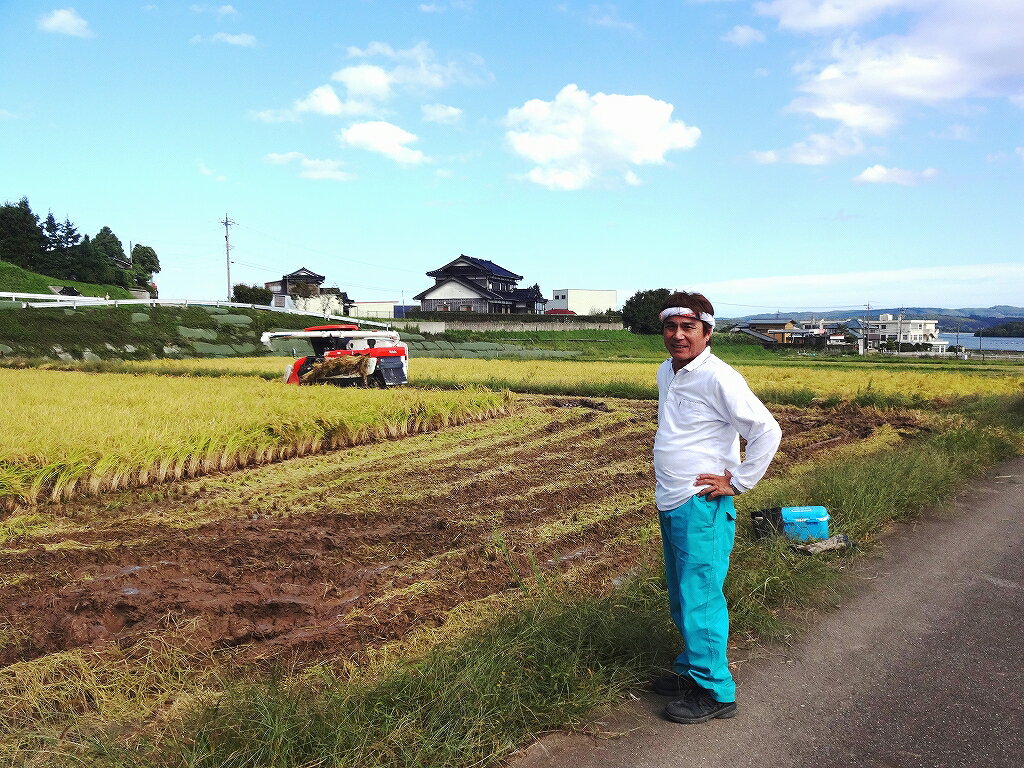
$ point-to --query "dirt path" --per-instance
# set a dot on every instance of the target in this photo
(920, 669)
(332, 554)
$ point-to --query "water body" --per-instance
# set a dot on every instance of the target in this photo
(991, 343)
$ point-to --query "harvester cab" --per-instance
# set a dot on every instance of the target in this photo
(343, 355)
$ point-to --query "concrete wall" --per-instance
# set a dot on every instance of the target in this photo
(505, 325)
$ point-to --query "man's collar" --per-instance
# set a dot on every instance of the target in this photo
(698, 361)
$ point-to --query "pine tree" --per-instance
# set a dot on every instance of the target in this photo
(21, 238)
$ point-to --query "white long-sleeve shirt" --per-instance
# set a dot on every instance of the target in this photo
(702, 410)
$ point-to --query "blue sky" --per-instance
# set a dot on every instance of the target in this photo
(784, 154)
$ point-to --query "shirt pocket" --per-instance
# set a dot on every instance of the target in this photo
(692, 412)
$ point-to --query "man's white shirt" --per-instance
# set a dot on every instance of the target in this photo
(702, 410)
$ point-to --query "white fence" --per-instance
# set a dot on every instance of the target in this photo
(44, 300)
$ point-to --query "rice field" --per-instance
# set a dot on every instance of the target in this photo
(64, 432)
(632, 379)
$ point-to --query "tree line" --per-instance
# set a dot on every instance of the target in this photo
(57, 249)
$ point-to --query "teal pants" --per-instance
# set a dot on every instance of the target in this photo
(697, 538)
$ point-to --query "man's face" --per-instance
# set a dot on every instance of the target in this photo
(684, 338)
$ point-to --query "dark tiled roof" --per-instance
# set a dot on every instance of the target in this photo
(488, 266)
(303, 272)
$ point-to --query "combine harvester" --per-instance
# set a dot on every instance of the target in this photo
(343, 355)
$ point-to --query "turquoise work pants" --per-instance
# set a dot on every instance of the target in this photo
(697, 538)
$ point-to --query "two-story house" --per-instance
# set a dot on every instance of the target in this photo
(477, 285)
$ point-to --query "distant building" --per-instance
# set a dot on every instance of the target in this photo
(477, 285)
(889, 329)
(583, 301)
(375, 309)
(302, 290)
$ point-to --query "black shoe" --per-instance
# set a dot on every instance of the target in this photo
(672, 684)
(698, 707)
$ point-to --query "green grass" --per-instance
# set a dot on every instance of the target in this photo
(548, 662)
(14, 279)
(607, 345)
(135, 332)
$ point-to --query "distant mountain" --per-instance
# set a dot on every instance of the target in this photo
(966, 319)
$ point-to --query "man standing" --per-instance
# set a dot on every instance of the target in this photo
(704, 405)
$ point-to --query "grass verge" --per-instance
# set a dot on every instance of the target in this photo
(548, 661)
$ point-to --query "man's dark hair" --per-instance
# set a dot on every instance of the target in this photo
(694, 301)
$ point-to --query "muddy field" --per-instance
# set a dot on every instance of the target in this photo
(333, 554)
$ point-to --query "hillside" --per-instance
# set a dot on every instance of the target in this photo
(967, 319)
(140, 332)
(14, 279)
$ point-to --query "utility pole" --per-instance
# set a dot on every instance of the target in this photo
(899, 333)
(867, 327)
(227, 249)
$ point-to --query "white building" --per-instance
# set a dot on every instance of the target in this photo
(583, 301)
(900, 330)
(373, 309)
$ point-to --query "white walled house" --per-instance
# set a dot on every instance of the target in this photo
(583, 301)
(901, 330)
(468, 284)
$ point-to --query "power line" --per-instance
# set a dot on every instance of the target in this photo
(319, 252)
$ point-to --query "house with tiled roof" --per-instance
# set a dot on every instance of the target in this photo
(468, 284)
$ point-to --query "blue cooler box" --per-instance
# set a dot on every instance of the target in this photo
(803, 523)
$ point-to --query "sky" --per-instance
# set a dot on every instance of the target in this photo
(776, 155)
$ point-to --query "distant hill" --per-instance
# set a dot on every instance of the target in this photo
(14, 279)
(968, 319)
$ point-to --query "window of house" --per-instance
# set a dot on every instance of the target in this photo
(466, 308)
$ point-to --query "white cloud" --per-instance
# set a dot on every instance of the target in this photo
(829, 14)
(385, 138)
(6, 114)
(632, 179)
(275, 115)
(743, 35)
(949, 52)
(369, 86)
(211, 173)
(65, 21)
(765, 158)
(440, 113)
(416, 68)
(242, 39)
(321, 101)
(365, 80)
(576, 137)
(312, 168)
(607, 15)
(879, 174)
(220, 11)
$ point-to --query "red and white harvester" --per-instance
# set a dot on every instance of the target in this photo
(346, 356)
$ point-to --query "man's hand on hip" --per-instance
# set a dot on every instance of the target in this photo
(713, 486)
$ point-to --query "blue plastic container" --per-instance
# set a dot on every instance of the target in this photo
(803, 523)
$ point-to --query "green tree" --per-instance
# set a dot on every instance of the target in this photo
(60, 240)
(91, 264)
(251, 294)
(107, 244)
(640, 312)
(144, 264)
(21, 238)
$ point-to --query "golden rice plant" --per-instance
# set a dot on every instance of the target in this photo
(556, 376)
(66, 432)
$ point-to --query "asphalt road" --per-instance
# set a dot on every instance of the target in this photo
(921, 666)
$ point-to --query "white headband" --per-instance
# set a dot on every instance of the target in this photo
(686, 312)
